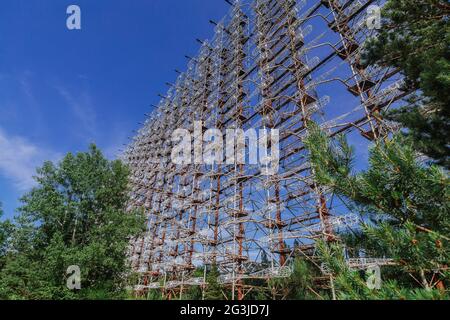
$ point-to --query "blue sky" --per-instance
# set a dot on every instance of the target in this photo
(61, 89)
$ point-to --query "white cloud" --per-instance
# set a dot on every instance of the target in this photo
(19, 159)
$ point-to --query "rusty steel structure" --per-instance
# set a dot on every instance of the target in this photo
(270, 64)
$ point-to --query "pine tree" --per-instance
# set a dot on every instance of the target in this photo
(415, 37)
(296, 245)
(352, 284)
(264, 260)
(404, 204)
(74, 216)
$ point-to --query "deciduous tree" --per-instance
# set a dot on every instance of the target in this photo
(76, 215)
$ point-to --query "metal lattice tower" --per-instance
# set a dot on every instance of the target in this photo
(271, 64)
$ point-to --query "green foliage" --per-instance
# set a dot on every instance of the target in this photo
(5, 232)
(154, 294)
(415, 37)
(194, 292)
(75, 216)
(264, 260)
(406, 210)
